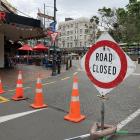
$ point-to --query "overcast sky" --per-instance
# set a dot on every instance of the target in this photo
(66, 8)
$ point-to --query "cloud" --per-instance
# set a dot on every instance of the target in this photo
(66, 8)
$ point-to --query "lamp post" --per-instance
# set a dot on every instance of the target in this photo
(54, 47)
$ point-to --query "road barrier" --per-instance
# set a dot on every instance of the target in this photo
(39, 99)
(1, 88)
(74, 112)
(19, 95)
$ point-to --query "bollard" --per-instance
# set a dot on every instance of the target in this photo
(70, 63)
(59, 68)
(67, 67)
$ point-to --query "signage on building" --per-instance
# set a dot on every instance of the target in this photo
(53, 36)
(45, 16)
(2, 15)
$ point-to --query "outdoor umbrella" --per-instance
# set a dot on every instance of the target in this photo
(27, 48)
(40, 47)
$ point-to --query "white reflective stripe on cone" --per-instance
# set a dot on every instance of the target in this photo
(38, 90)
(75, 85)
(19, 76)
(75, 98)
(0, 80)
(19, 85)
(38, 80)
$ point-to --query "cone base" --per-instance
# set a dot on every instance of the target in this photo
(38, 107)
(2, 91)
(18, 99)
(68, 118)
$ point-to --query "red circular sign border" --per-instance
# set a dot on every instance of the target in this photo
(123, 60)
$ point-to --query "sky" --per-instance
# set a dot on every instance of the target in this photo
(66, 8)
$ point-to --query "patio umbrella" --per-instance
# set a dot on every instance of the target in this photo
(27, 48)
(40, 47)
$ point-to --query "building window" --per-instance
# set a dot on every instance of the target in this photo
(71, 25)
(85, 37)
(67, 32)
(80, 44)
(80, 31)
(63, 28)
(86, 31)
(67, 38)
(71, 44)
(71, 38)
(68, 45)
(85, 44)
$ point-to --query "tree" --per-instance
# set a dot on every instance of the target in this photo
(122, 23)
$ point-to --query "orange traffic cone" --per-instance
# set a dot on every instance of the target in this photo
(38, 100)
(1, 88)
(19, 95)
(74, 112)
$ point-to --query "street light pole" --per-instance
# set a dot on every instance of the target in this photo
(54, 47)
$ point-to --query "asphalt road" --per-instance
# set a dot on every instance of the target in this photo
(49, 123)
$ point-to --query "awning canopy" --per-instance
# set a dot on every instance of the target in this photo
(40, 47)
(16, 27)
(26, 47)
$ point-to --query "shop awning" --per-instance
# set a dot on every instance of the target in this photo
(17, 27)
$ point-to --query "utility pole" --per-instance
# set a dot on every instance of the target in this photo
(44, 14)
(54, 47)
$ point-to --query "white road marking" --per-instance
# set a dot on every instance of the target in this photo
(49, 83)
(137, 74)
(123, 123)
(75, 73)
(65, 78)
(128, 119)
(17, 115)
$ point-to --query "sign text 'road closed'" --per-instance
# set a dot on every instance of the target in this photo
(106, 64)
(104, 68)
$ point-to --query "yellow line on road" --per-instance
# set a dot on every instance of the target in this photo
(31, 87)
(26, 87)
(3, 100)
(11, 90)
(65, 78)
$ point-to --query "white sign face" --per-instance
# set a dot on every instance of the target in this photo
(105, 64)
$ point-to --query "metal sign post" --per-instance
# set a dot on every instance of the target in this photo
(102, 115)
(106, 65)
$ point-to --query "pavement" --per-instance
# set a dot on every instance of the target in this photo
(27, 123)
(29, 72)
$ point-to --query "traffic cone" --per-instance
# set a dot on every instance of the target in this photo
(1, 88)
(39, 99)
(19, 95)
(74, 112)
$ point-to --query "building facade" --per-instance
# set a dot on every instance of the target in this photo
(74, 34)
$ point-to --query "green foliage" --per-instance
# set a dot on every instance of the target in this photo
(122, 23)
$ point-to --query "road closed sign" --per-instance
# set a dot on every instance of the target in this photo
(107, 65)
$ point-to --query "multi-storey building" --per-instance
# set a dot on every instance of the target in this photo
(74, 34)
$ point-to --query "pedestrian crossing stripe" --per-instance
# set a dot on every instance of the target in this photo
(3, 100)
